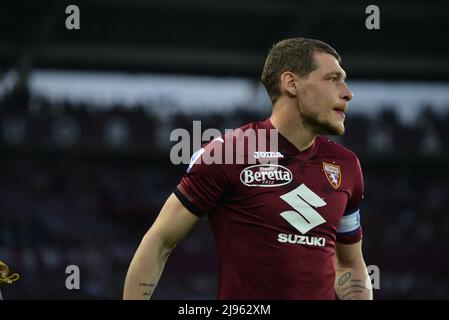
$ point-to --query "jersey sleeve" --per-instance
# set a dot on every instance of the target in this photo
(349, 229)
(203, 186)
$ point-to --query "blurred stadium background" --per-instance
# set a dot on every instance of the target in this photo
(85, 119)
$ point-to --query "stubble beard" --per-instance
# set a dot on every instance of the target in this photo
(320, 127)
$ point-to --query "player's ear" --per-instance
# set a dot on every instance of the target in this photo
(288, 84)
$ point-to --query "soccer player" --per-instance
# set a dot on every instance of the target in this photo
(286, 219)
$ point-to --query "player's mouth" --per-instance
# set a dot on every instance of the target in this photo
(340, 111)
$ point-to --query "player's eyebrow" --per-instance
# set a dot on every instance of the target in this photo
(339, 74)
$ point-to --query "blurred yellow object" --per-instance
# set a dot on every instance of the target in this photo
(4, 274)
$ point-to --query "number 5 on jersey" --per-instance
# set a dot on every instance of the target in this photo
(302, 199)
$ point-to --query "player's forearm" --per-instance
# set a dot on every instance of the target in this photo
(352, 281)
(145, 269)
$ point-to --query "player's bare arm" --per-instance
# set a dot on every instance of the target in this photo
(352, 281)
(171, 226)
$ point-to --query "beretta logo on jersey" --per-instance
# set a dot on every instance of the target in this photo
(266, 175)
(333, 174)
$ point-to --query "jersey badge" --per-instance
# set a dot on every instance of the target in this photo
(333, 174)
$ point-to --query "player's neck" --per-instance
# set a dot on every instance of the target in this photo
(292, 128)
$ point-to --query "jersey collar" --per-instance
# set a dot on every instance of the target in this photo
(286, 147)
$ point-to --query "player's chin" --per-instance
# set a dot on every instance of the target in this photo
(340, 130)
(332, 127)
(335, 129)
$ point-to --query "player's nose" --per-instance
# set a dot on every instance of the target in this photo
(346, 93)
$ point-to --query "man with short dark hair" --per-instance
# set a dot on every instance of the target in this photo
(286, 221)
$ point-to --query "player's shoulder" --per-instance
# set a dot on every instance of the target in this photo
(329, 146)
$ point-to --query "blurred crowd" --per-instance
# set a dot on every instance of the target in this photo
(80, 186)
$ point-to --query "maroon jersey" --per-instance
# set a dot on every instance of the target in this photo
(275, 223)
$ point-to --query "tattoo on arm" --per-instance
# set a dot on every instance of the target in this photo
(353, 291)
(350, 286)
(344, 278)
(353, 288)
(150, 287)
(142, 284)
